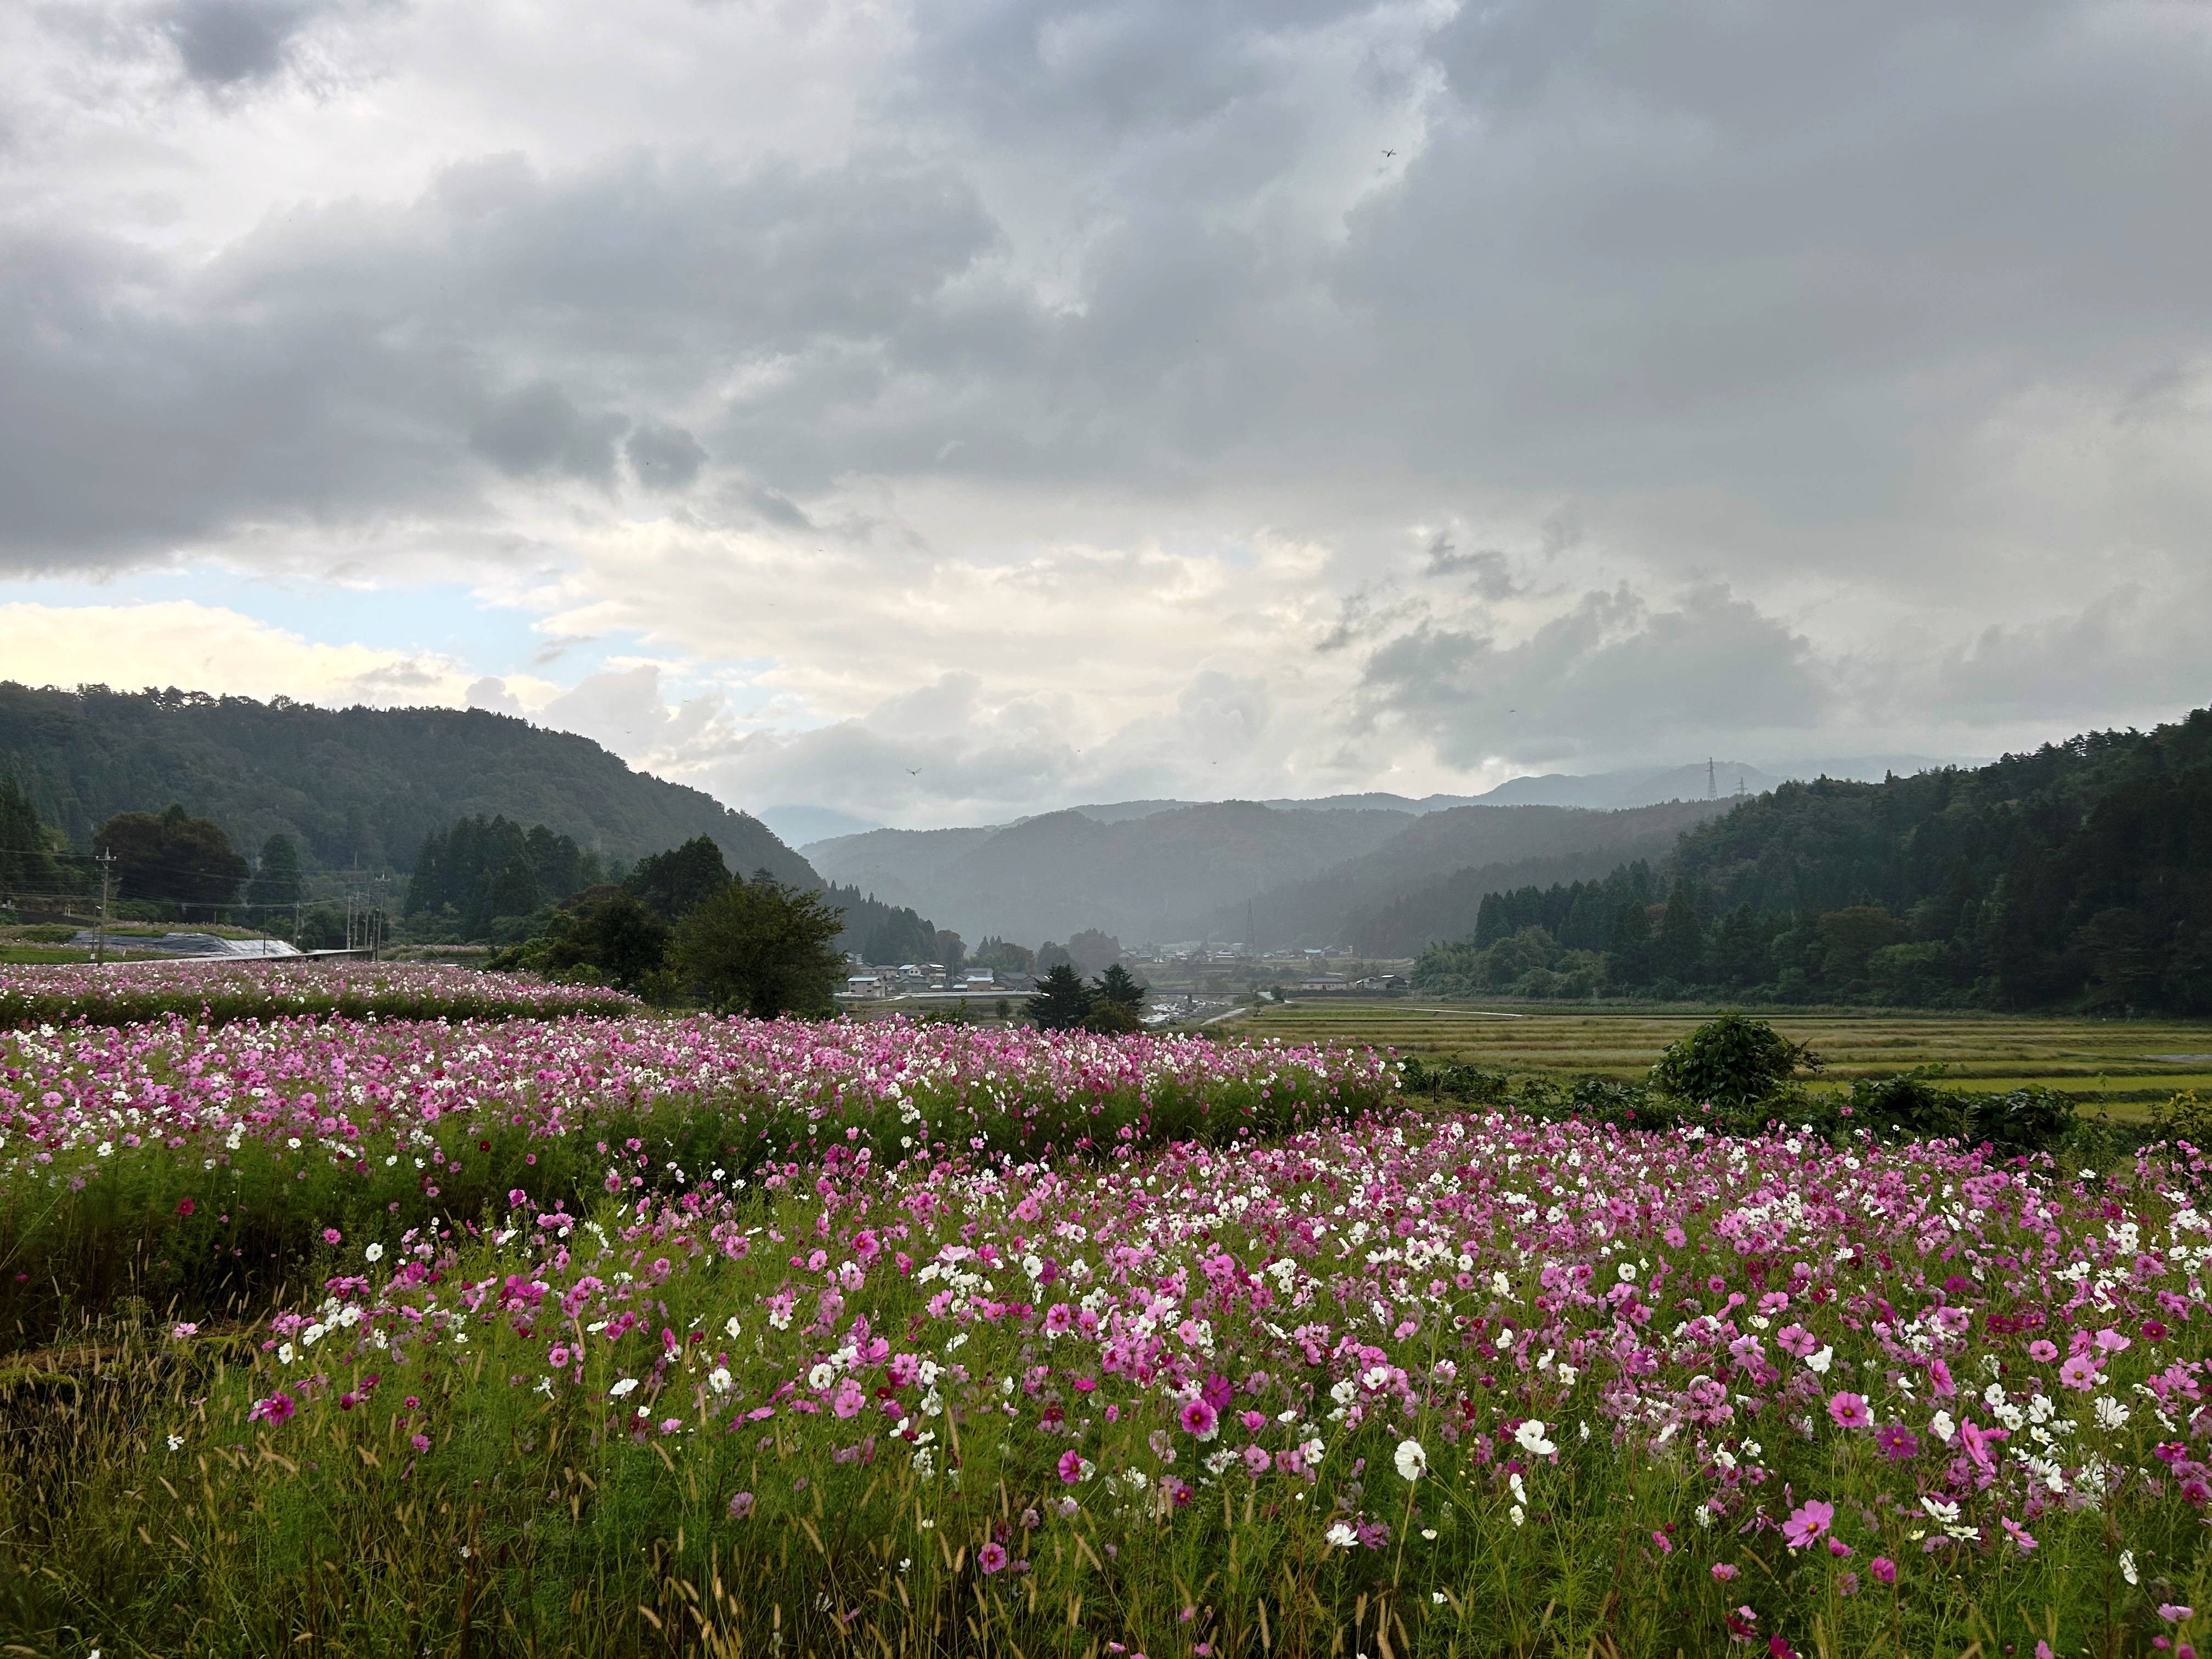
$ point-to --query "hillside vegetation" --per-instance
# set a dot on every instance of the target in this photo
(348, 786)
(2078, 876)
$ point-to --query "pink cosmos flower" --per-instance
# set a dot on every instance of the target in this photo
(1723, 1570)
(331, 1236)
(849, 1399)
(1795, 1340)
(2041, 1352)
(278, 1407)
(1807, 1522)
(991, 1558)
(1070, 1467)
(1882, 1570)
(1252, 1421)
(741, 1506)
(1059, 1319)
(2174, 1612)
(1850, 1411)
(1257, 1461)
(1665, 1544)
(1200, 1419)
(2019, 1535)
(2080, 1371)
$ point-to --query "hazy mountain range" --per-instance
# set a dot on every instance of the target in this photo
(1338, 869)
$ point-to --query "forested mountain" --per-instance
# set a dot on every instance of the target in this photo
(351, 785)
(2080, 875)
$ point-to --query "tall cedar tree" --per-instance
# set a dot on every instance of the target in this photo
(27, 863)
(760, 948)
(1062, 1000)
(672, 883)
(277, 882)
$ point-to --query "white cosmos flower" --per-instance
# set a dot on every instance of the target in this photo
(1341, 1534)
(1531, 1436)
(1820, 1362)
(1413, 1461)
(627, 1385)
(374, 1253)
(1518, 1514)
(822, 1376)
(2128, 1566)
(719, 1379)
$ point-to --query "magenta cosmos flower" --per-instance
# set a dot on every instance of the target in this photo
(1200, 1418)
(1850, 1411)
(1897, 1442)
(1807, 1522)
(991, 1558)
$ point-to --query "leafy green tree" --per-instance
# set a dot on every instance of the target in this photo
(1092, 951)
(1061, 1002)
(1001, 957)
(672, 884)
(611, 938)
(276, 880)
(1730, 1061)
(762, 949)
(951, 951)
(173, 858)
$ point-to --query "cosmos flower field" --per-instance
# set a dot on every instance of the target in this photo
(119, 993)
(891, 1339)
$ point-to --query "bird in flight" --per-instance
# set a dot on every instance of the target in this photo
(1387, 153)
(914, 771)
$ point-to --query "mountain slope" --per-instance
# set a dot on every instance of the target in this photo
(1356, 900)
(350, 784)
(1157, 877)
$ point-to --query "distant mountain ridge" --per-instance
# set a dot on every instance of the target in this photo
(1335, 869)
(1227, 870)
(350, 784)
(1411, 890)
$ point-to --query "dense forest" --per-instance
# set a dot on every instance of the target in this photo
(349, 788)
(2078, 876)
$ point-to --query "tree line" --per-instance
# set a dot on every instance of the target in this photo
(2076, 877)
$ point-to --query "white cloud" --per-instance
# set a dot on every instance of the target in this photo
(210, 648)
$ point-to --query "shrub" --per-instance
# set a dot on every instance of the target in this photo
(1733, 1061)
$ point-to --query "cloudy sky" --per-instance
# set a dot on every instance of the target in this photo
(944, 411)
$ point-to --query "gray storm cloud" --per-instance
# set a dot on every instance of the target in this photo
(1828, 371)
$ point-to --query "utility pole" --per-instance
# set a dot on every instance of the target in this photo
(99, 940)
(1712, 790)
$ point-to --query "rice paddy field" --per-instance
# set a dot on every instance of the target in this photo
(2126, 1064)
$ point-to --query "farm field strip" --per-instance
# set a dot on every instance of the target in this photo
(2122, 1061)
